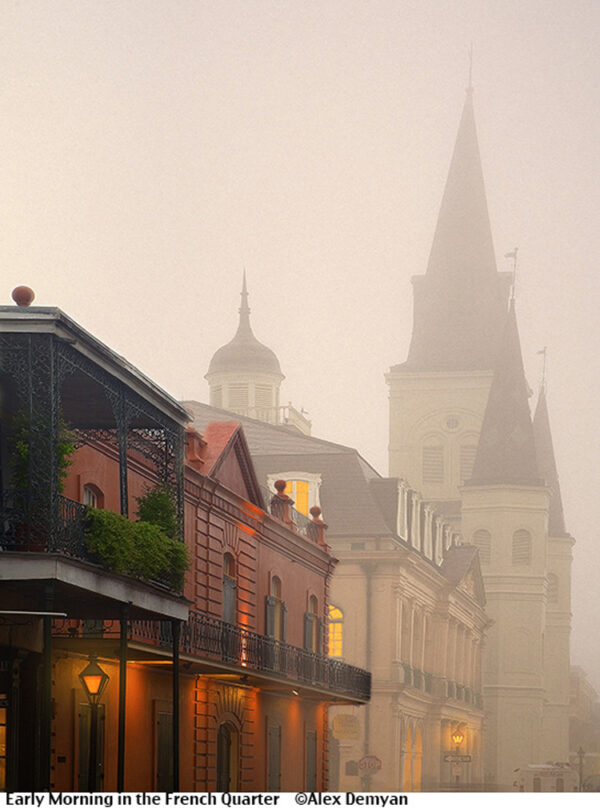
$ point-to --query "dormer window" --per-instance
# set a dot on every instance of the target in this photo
(302, 487)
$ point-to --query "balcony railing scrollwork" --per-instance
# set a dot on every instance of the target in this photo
(205, 636)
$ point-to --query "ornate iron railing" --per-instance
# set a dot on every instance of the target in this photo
(204, 636)
(28, 524)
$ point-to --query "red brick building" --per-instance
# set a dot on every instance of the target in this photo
(240, 650)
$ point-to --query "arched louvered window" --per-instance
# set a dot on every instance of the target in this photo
(482, 539)
(552, 588)
(521, 548)
(433, 464)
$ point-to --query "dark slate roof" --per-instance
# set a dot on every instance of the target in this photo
(547, 464)
(506, 450)
(244, 353)
(460, 304)
(347, 500)
(457, 563)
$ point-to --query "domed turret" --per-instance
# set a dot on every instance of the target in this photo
(244, 375)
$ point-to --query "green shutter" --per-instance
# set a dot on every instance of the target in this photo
(308, 630)
(270, 602)
(274, 751)
(311, 761)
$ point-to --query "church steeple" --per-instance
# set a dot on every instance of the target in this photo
(462, 249)
(506, 453)
(547, 464)
(460, 303)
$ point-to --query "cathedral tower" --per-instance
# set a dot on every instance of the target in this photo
(505, 513)
(438, 396)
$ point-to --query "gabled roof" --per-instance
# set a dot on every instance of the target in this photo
(227, 458)
(547, 465)
(506, 449)
(348, 504)
(461, 568)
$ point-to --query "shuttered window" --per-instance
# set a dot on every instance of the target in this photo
(311, 761)
(228, 588)
(467, 461)
(238, 396)
(433, 464)
(263, 396)
(521, 548)
(164, 751)
(482, 539)
(274, 762)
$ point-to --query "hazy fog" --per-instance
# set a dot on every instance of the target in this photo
(150, 150)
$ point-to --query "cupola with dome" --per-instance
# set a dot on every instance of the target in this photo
(244, 375)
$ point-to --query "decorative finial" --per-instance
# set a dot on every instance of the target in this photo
(244, 309)
(23, 296)
(513, 256)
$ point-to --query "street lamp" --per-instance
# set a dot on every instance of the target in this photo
(94, 681)
(457, 738)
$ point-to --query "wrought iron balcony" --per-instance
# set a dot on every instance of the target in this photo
(31, 524)
(204, 636)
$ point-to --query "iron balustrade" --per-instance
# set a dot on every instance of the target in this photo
(27, 526)
(207, 637)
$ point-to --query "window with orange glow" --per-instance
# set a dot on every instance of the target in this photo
(298, 491)
(335, 631)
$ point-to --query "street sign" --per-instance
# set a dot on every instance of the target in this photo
(369, 764)
(454, 758)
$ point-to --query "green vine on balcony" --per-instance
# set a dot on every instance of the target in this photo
(19, 448)
(142, 549)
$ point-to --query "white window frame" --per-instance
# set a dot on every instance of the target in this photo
(313, 480)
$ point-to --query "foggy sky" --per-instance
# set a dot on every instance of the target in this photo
(151, 150)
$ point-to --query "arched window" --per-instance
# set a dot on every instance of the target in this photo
(521, 548)
(335, 629)
(552, 588)
(93, 496)
(313, 627)
(482, 539)
(229, 587)
(276, 610)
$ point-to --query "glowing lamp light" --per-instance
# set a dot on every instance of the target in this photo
(94, 681)
(457, 737)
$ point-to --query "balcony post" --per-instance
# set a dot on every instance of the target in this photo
(122, 430)
(45, 735)
(176, 629)
(281, 504)
(317, 528)
(122, 697)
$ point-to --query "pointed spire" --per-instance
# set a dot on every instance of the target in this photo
(244, 327)
(462, 249)
(506, 451)
(460, 303)
(547, 464)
